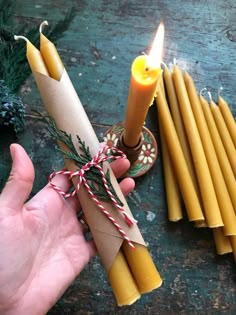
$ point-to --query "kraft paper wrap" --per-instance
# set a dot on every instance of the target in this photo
(63, 105)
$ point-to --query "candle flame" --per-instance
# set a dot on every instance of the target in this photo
(155, 54)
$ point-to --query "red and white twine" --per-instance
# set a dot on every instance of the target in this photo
(99, 158)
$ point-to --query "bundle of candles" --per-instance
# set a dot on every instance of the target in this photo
(131, 271)
(198, 141)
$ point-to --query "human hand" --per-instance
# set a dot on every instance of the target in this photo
(42, 245)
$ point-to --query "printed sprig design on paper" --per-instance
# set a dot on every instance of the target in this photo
(93, 176)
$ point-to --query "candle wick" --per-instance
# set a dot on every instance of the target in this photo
(220, 90)
(42, 25)
(174, 61)
(164, 64)
(210, 96)
(17, 37)
(203, 91)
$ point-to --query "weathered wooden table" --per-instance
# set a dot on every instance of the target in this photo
(97, 51)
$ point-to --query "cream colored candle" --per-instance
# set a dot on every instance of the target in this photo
(178, 122)
(211, 207)
(189, 195)
(226, 207)
(220, 151)
(225, 136)
(222, 242)
(228, 118)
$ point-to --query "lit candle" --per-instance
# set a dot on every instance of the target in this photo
(222, 195)
(212, 211)
(50, 55)
(220, 151)
(145, 72)
(222, 242)
(225, 136)
(190, 198)
(34, 57)
(179, 125)
(173, 197)
(228, 118)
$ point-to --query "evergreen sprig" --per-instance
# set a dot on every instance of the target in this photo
(14, 68)
(93, 175)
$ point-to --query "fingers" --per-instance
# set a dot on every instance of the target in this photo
(127, 185)
(20, 181)
(119, 167)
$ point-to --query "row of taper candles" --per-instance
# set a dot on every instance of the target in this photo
(198, 141)
(131, 272)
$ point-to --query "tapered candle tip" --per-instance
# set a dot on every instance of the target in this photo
(42, 25)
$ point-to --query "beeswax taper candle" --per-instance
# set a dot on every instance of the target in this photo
(228, 118)
(211, 207)
(190, 198)
(226, 207)
(50, 55)
(34, 57)
(179, 126)
(225, 136)
(145, 73)
(220, 151)
(173, 197)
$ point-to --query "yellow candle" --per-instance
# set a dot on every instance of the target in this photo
(225, 136)
(50, 55)
(173, 198)
(145, 73)
(212, 211)
(125, 290)
(143, 269)
(228, 118)
(178, 122)
(171, 185)
(34, 57)
(190, 198)
(222, 242)
(226, 207)
(220, 151)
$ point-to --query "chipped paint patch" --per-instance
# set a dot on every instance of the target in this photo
(150, 216)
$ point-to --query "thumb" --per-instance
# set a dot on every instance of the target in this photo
(20, 181)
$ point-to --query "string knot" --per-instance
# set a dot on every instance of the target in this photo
(97, 160)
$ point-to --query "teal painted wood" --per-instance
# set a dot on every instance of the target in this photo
(97, 51)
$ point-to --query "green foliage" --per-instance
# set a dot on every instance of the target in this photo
(14, 68)
(93, 175)
(12, 110)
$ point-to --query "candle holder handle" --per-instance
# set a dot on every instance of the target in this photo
(142, 157)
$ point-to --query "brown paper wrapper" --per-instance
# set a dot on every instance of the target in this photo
(63, 105)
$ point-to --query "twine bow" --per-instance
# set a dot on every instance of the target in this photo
(99, 158)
